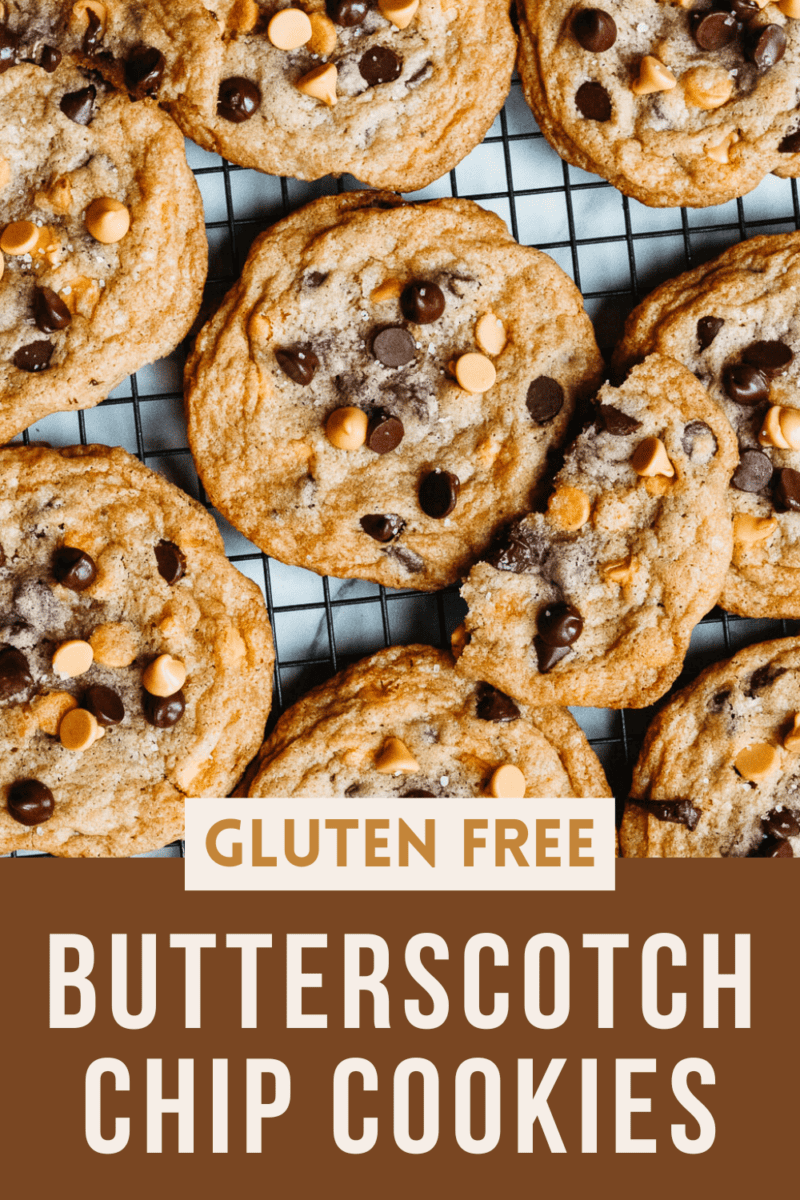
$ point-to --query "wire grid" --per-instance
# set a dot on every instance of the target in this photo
(615, 249)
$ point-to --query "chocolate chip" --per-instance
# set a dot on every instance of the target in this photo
(615, 421)
(766, 46)
(407, 558)
(15, 675)
(50, 60)
(713, 30)
(49, 311)
(238, 99)
(745, 10)
(763, 677)
(163, 711)
(383, 527)
(559, 624)
(548, 656)
(719, 700)
(771, 358)
(791, 143)
(79, 106)
(753, 472)
(787, 489)
(593, 102)
(384, 432)
(380, 65)
(494, 706)
(595, 30)
(746, 385)
(438, 493)
(73, 568)
(692, 432)
(677, 812)
(394, 346)
(94, 32)
(144, 70)
(422, 302)
(300, 363)
(773, 847)
(30, 802)
(104, 703)
(171, 561)
(349, 12)
(416, 795)
(707, 330)
(33, 356)
(545, 399)
(8, 49)
(781, 823)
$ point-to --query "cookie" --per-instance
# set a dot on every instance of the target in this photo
(735, 323)
(719, 771)
(593, 601)
(403, 723)
(381, 389)
(102, 244)
(135, 661)
(672, 104)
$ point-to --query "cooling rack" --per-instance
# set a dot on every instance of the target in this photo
(615, 249)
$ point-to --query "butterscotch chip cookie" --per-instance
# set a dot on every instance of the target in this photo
(96, 759)
(325, 411)
(403, 723)
(673, 103)
(735, 323)
(599, 611)
(719, 771)
(102, 245)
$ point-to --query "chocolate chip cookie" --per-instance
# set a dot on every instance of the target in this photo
(719, 771)
(593, 601)
(403, 723)
(381, 389)
(675, 104)
(735, 323)
(102, 245)
(135, 661)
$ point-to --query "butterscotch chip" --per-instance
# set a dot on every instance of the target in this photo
(748, 529)
(50, 708)
(323, 34)
(243, 16)
(490, 334)
(569, 508)
(400, 12)
(622, 570)
(114, 645)
(653, 77)
(650, 458)
(458, 639)
(2, 264)
(346, 428)
(781, 428)
(393, 756)
(718, 147)
(20, 237)
(72, 658)
(57, 196)
(756, 763)
(475, 373)
(5, 172)
(165, 676)
(320, 84)
(289, 29)
(79, 730)
(81, 295)
(707, 87)
(389, 290)
(507, 783)
(790, 8)
(791, 740)
(107, 220)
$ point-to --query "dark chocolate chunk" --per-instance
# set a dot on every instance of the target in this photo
(144, 70)
(494, 706)
(348, 12)
(394, 346)
(407, 558)
(746, 385)
(594, 29)
(238, 99)
(15, 675)
(94, 32)
(520, 550)
(781, 823)
(383, 527)
(30, 802)
(104, 703)
(719, 700)
(691, 433)
(678, 812)
(713, 29)
(412, 795)
(73, 568)
(8, 49)
(707, 330)
(422, 302)
(33, 356)
(171, 561)
(438, 493)
(545, 399)
(384, 432)
(300, 363)
(79, 106)
(787, 489)
(753, 472)
(548, 656)
(559, 624)
(766, 46)
(791, 143)
(49, 311)
(380, 65)
(773, 847)
(744, 10)
(315, 279)
(763, 677)
(771, 358)
(593, 102)
(163, 711)
(50, 60)
(615, 421)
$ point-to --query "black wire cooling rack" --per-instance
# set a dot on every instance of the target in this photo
(615, 249)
